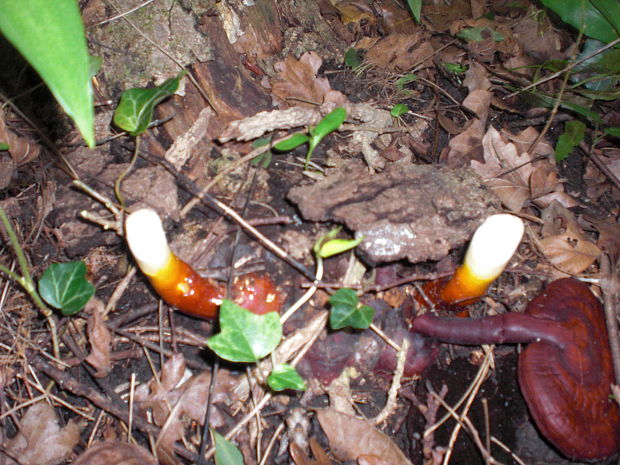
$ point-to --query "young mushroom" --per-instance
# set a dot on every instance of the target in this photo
(566, 371)
(489, 251)
(179, 284)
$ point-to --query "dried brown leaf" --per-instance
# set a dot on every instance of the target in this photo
(371, 460)
(100, 340)
(401, 52)
(569, 253)
(608, 235)
(501, 155)
(173, 399)
(297, 80)
(565, 244)
(40, 440)
(116, 453)
(21, 149)
(351, 437)
(352, 11)
(466, 146)
(537, 37)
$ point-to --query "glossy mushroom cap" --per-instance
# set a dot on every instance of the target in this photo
(566, 371)
(567, 385)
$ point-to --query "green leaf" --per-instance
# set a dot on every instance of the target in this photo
(336, 246)
(264, 159)
(403, 81)
(244, 336)
(615, 132)
(94, 65)
(330, 122)
(610, 9)
(50, 35)
(583, 15)
(292, 142)
(399, 109)
(352, 58)
(284, 377)
(573, 134)
(64, 286)
(348, 312)
(135, 110)
(4, 146)
(415, 6)
(226, 453)
(455, 68)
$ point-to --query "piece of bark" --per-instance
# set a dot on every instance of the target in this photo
(417, 212)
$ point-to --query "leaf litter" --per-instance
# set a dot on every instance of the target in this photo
(496, 47)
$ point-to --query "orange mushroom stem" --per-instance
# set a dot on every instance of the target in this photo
(489, 251)
(179, 284)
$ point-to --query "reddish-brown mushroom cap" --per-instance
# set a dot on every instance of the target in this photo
(567, 386)
(565, 373)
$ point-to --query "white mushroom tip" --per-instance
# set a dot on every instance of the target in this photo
(493, 245)
(146, 238)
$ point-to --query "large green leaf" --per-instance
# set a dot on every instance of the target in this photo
(50, 35)
(64, 286)
(135, 110)
(245, 336)
(583, 15)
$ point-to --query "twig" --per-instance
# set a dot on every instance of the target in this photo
(26, 281)
(390, 405)
(610, 285)
(463, 420)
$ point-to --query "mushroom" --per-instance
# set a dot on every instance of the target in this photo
(179, 284)
(489, 251)
(566, 371)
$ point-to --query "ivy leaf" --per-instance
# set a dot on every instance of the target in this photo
(226, 453)
(403, 81)
(292, 142)
(574, 132)
(352, 58)
(135, 110)
(245, 336)
(64, 286)
(285, 376)
(264, 159)
(50, 35)
(399, 109)
(4, 146)
(348, 312)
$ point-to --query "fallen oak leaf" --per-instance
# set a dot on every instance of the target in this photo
(40, 439)
(351, 437)
(100, 340)
(297, 80)
(21, 149)
(500, 155)
(564, 243)
(116, 453)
